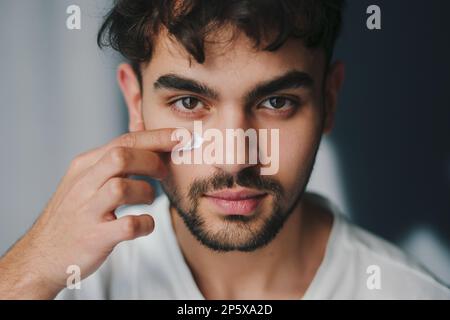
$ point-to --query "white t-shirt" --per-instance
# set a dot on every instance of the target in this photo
(357, 265)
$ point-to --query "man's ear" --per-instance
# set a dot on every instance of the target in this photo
(131, 91)
(334, 81)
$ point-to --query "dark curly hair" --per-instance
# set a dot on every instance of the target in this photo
(131, 25)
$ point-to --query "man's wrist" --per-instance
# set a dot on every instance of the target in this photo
(21, 280)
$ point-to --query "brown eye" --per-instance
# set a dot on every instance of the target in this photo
(189, 103)
(277, 102)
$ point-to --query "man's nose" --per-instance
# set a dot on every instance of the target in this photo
(240, 141)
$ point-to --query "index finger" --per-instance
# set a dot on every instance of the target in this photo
(157, 140)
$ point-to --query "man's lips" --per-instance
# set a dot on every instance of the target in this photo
(235, 194)
(236, 201)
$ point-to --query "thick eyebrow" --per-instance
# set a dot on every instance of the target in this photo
(175, 82)
(291, 79)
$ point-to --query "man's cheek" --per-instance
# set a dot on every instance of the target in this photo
(293, 162)
(182, 175)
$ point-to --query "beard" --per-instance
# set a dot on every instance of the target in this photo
(235, 232)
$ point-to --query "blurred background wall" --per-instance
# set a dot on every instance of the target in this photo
(386, 165)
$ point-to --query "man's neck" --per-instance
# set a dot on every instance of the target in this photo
(283, 269)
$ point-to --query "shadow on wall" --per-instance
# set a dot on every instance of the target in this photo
(393, 125)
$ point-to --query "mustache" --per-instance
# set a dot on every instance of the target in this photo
(248, 177)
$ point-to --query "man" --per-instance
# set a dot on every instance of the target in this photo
(222, 230)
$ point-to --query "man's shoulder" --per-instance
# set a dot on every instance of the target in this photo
(388, 272)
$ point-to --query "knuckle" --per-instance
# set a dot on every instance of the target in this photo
(130, 226)
(128, 140)
(118, 188)
(120, 157)
(77, 162)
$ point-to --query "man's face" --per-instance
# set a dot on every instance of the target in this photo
(292, 102)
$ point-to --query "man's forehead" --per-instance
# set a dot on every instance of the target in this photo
(235, 60)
